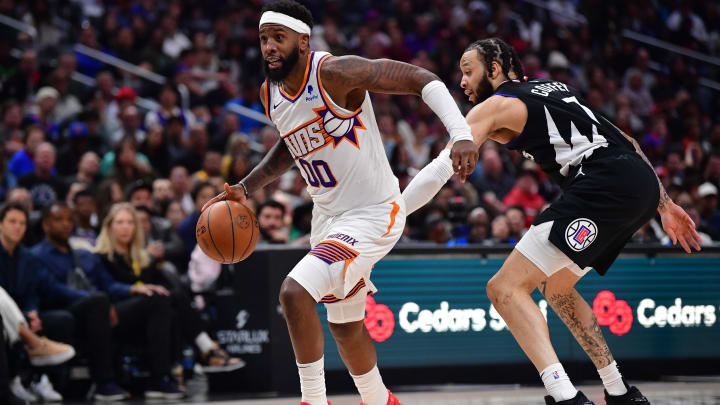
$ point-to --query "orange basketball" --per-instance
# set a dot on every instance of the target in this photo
(227, 231)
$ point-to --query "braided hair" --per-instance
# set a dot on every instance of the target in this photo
(497, 50)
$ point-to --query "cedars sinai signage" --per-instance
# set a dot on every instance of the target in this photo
(435, 311)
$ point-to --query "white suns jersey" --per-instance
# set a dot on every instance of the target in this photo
(339, 152)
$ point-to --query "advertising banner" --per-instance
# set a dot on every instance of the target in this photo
(432, 310)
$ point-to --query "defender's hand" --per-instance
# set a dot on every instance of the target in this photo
(464, 155)
(678, 226)
(234, 193)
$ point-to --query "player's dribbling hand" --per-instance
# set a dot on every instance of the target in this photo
(464, 155)
(678, 225)
(234, 193)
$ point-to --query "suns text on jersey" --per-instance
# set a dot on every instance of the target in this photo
(307, 138)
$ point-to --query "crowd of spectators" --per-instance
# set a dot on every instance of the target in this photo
(86, 146)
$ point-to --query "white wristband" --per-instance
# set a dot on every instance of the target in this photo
(438, 98)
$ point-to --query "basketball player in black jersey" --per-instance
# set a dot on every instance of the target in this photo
(609, 191)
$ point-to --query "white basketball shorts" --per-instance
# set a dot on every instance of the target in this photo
(344, 249)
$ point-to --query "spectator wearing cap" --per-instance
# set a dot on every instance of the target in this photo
(708, 209)
(44, 185)
(42, 113)
(77, 143)
(116, 104)
(525, 194)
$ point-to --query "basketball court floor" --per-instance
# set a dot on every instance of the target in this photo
(659, 393)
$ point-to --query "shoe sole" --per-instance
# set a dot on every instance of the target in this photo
(163, 395)
(53, 360)
(50, 400)
(222, 369)
(110, 398)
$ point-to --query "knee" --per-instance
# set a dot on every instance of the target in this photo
(499, 291)
(346, 332)
(293, 297)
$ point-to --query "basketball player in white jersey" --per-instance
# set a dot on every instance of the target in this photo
(321, 107)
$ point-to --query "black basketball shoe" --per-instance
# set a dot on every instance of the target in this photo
(580, 399)
(631, 397)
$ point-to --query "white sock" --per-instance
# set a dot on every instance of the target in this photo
(557, 383)
(204, 342)
(371, 387)
(612, 379)
(312, 382)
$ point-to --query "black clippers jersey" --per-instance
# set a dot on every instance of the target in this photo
(560, 131)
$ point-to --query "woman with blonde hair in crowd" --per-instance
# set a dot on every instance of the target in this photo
(145, 316)
(121, 246)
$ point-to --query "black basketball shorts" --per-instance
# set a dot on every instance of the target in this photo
(605, 201)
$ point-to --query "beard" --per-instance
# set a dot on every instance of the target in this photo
(483, 90)
(278, 75)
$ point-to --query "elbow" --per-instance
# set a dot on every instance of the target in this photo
(426, 78)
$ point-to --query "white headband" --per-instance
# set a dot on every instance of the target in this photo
(272, 17)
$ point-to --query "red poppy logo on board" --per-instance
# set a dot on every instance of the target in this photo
(612, 312)
(379, 320)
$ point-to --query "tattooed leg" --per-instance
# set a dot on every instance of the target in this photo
(577, 316)
(509, 290)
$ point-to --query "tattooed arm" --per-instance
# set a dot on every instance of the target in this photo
(664, 198)
(352, 75)
(676, 223)
(276, 162)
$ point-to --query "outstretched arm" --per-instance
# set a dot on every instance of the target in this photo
(349, 73)
(347, 78)
(497, 113)
(676, 223)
